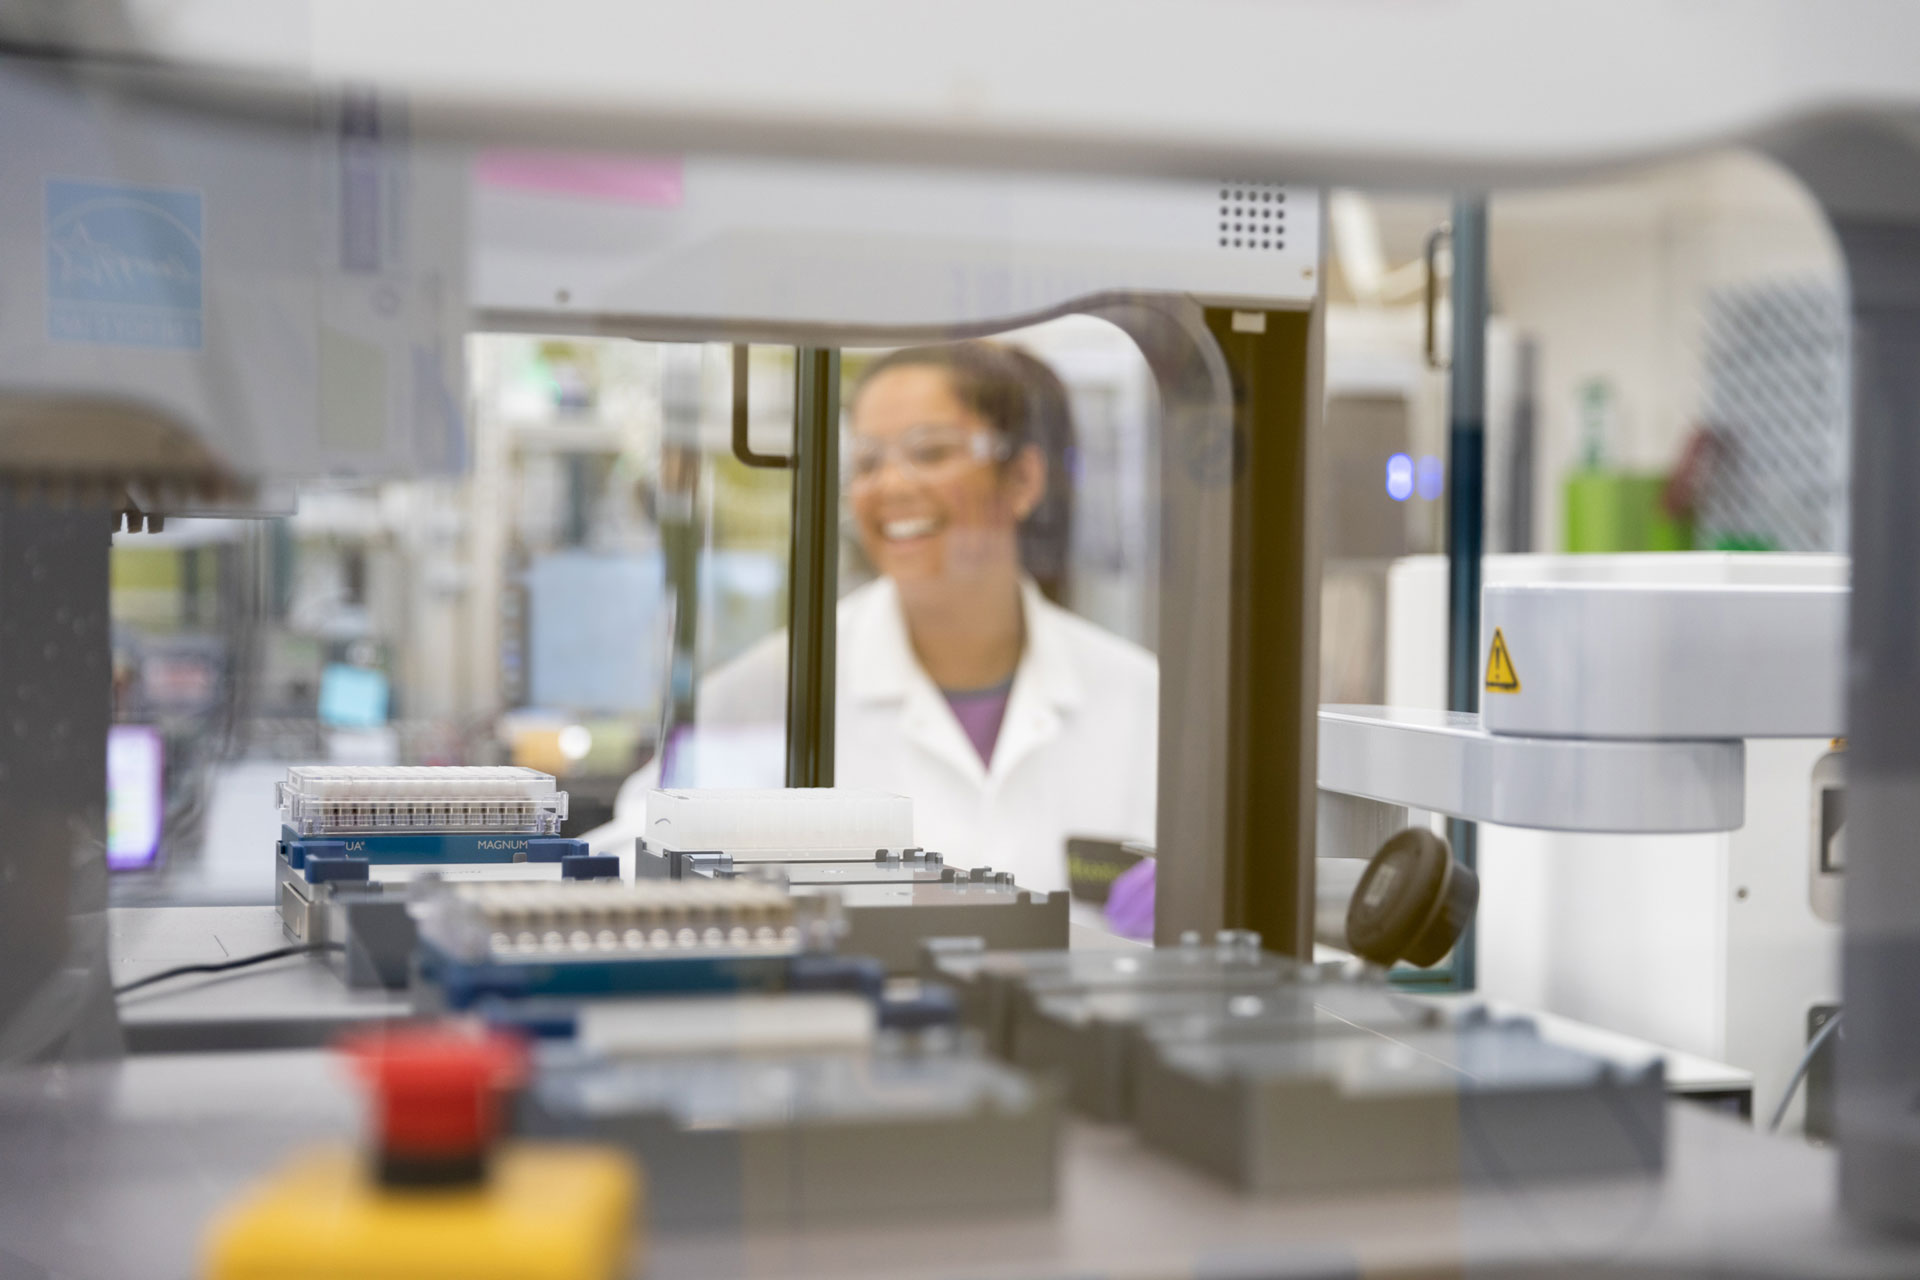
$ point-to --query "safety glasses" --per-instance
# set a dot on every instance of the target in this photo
(921, 451)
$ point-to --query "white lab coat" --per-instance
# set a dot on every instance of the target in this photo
(1076, 754)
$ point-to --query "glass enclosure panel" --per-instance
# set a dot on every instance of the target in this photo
(998, 602)
(603, 596)
(552, 607)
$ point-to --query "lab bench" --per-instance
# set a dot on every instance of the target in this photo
(155, 1143)
(112, 1170)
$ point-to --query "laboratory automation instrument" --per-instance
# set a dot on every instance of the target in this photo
(1236, 1060)
(326, 337)
(856, 848)
(353, 838)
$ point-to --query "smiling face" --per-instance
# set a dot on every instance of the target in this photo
(932, 498)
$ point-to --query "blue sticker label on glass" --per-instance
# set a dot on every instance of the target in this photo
(123, 264)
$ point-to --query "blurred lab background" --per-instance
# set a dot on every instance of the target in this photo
(1666, 373)
(555, 607)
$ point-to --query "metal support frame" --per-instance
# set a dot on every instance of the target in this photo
(1240, 638)
(1866, 177)
(1466, 505)
(813, 568)
(1880, 1050)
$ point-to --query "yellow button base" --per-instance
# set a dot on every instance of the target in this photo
(544, 1213)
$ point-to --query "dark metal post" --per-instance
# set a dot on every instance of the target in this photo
(55, 706)
(1239, 635)
(1466, 502)
(1867, 178)
(1520, 448)
(1879, 1051)
(813, 568)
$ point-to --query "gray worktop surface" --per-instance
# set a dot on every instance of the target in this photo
(296, 1002)
(112, 1171)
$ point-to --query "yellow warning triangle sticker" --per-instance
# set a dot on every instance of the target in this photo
(1501, 677)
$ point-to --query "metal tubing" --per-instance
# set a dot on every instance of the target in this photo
(1431, 256)
(1466, 501)
(813, 568)
(742, 448)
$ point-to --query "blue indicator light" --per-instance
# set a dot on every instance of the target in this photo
(1399, 477)
(1433, 477)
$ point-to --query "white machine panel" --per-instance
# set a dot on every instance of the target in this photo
(1619, 660)
(1447, 762)
(780, 823)
(1379, 91)
(737, 245)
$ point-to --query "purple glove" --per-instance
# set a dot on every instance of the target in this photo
(1130, 902)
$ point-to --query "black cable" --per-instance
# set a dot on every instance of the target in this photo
(178, 971)
(1800, 1072)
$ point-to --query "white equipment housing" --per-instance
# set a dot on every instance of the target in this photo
(725, 245)
(1447, 762)
(318, 281)
(1666, 660)
(1717, 944)
(1505, 90)
(1634, 681)
(197, 303)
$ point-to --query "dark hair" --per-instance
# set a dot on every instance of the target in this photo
(1017, 395)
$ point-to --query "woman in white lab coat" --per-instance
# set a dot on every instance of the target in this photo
(1010, 722)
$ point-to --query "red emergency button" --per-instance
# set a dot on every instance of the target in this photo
(436, 1098)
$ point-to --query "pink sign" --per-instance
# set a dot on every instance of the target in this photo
(644, 180)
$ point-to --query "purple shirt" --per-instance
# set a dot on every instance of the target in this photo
(980, 712)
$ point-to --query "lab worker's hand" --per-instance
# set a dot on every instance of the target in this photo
(1130, 902)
